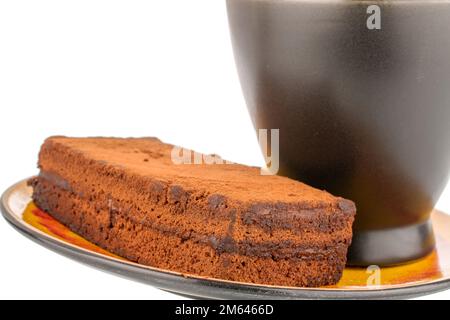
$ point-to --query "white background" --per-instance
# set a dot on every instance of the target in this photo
(112, 68)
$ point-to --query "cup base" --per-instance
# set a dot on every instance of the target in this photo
(392, 246)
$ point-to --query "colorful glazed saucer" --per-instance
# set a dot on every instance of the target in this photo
(428, 275)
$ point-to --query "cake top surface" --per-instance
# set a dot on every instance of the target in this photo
(154, 159)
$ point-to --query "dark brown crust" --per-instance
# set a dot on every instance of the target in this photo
(173, 226)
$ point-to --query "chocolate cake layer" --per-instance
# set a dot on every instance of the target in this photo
(215, 220)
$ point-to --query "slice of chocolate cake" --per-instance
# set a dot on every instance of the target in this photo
(222, 221)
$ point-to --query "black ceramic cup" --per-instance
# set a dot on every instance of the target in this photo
(363, 113)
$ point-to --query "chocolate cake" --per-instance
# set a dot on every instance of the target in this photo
(224, 221)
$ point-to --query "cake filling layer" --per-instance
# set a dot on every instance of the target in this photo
(221, 243)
